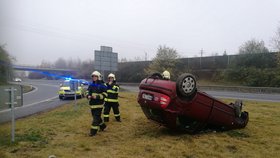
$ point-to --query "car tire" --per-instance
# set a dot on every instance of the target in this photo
(61, 97)
(186, 86)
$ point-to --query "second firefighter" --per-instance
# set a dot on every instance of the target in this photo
(111, 101)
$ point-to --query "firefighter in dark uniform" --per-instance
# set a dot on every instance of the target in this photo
(96, 95)
(111, 101)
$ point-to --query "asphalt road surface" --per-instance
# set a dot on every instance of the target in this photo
(43, 97)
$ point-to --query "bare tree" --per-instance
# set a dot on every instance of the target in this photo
(73, 63)
(60, 63)
(46, 64)
(276, 39)
(253, 53)
(166, 59)
(123, 60)
(276, 44)
(253, 47)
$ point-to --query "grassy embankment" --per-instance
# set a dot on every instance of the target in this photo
(26, 88)
(63, 132)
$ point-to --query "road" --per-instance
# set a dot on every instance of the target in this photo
(43, 98)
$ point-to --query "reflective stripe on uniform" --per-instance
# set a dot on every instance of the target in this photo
(111, 91)
(94, 94)
(116, 115)
(115, 87)
(100, 96)
(104, 93)
(96, 106)
(95, 127)
(105, 115)
(111, 100)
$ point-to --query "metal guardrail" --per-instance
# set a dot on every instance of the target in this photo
(243, 89)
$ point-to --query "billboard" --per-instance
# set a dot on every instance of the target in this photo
(105, 59)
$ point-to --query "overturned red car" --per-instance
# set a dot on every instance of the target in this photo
(179, 105)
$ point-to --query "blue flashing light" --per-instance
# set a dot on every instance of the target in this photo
(53, 75)
(68, 78)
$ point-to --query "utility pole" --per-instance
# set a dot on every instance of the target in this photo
(201, 53)
(145, 56)
(12, 103)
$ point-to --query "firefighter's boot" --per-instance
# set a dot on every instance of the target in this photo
(92, 132)
(102, 127)
(118, 118)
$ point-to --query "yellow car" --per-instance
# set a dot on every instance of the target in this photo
(67, 89)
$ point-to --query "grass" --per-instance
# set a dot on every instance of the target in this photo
(27, 88)
(63, 132)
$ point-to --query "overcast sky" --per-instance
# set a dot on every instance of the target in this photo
(36, 30)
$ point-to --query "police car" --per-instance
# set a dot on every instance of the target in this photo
(70, 87)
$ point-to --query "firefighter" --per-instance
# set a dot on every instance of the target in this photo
(96, 95)
(111, 101)
(166, 75)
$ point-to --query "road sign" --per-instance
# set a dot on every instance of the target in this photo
(74, 86)
(11, 97)
(106, 59)
(5, 96)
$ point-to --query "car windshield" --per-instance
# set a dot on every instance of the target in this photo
(66, 84)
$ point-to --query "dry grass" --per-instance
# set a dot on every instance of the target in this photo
(63, 132)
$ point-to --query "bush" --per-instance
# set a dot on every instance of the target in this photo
(254, 77)
(5, 66)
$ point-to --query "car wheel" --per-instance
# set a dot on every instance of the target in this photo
(186, 85)
(156, 76)
(61, 97)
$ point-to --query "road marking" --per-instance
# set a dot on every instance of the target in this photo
(49, 99)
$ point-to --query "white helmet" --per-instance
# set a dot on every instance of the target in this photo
(96, 73)
(112, 75)
(166, 75)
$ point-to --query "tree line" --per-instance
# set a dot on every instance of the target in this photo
(5, 66)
